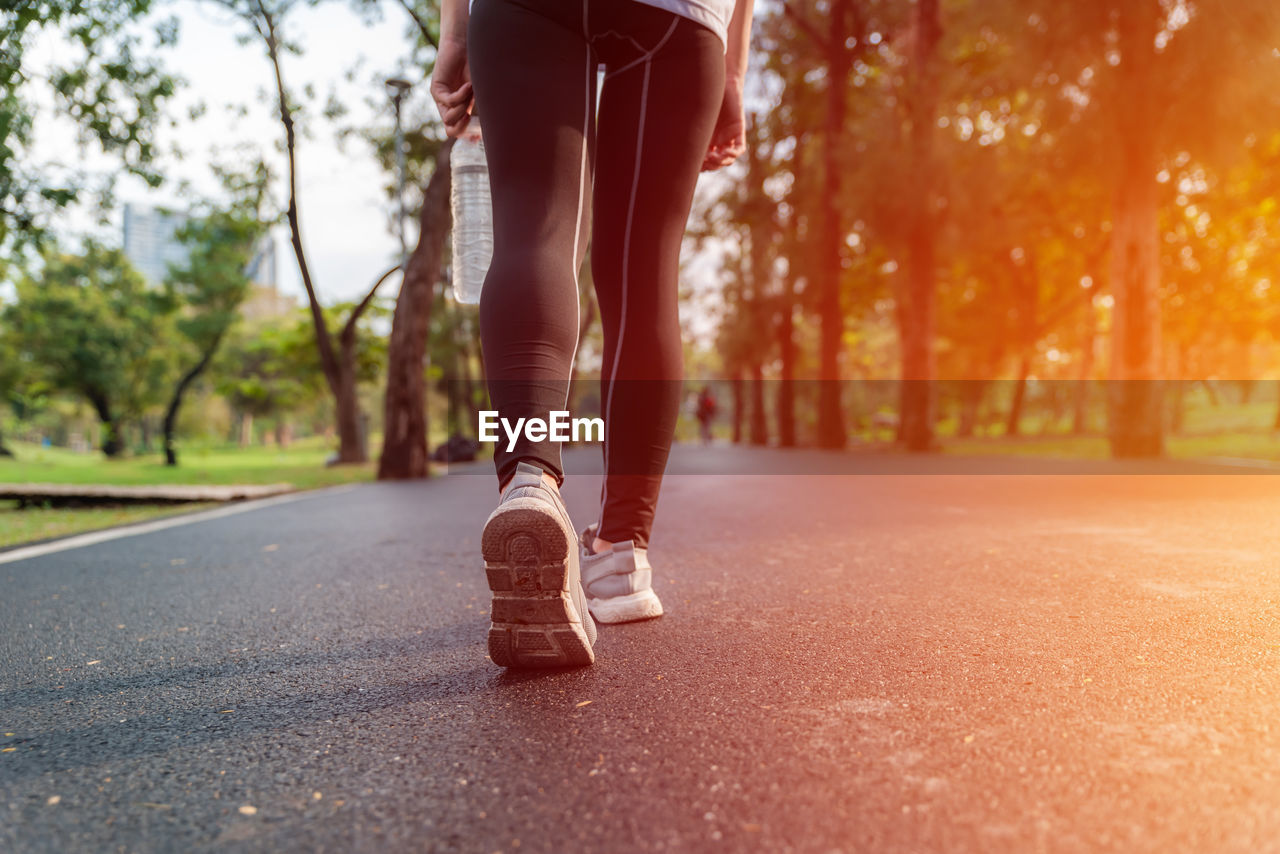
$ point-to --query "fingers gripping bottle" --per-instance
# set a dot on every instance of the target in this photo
(472, 215)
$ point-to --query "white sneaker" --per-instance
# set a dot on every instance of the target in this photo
(618, 582)
(539, 609)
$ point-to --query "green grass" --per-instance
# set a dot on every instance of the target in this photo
(302, 465)
(33, 523)
(1254, 445)
(1230, 429)
(1208, 431)
(1071, 447)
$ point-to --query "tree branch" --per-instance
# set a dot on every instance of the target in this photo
(421, 24)
(359, 310)
(328, 359)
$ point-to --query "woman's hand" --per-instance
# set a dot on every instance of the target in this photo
(729, 139)
(451, 86)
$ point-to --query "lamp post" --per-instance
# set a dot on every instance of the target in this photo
(397, 89)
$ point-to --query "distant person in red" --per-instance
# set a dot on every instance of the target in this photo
(706, 413)
(565, 167)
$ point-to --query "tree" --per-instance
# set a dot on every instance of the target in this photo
(113, 92)
(919, 295)
(266, 18)
(757, 209)
(405, 453)
(94, 329)
(831, 39)
(1137, 419)
(1218, 266)
(268, 371)
(10, 374)
(882, 59)
(271, 370)
(213, 282)
(737, 225)
(1152, 82)
(404, 444)
(793, 239)
(1024, 245)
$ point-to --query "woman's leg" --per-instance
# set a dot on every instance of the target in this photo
(534, 80)
(532, 73)
(658, 105)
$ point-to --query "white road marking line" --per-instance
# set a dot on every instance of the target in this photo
(93, 538)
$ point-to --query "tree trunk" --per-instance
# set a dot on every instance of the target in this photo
(786, 318)
(1276, 425)
(111, 435)
(786, 399)
(758, 278)
(739, 407)
(455, 411)
(460, 389)
(1137, 415)
(246, 429)
(1080, 417)
(469, 381)
(831, 426)
(404, 444)
(1028, 283)
(112, 441)
(1013, 425)
(759, 424)
(351, 445)
(175, 402)
(918, 317)
(343, 392)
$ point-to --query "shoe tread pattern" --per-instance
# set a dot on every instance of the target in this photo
(534, 622)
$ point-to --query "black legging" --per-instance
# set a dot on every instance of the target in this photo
(534, 69)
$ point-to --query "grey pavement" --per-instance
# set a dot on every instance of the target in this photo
(870, 661)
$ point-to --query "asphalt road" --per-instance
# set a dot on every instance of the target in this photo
(849, 662)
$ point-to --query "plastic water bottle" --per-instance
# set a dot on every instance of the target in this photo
(472, 215)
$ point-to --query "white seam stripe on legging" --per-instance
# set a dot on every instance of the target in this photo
(626, 259)
(577, 233)
(648, 55)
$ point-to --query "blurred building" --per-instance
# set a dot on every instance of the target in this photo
(151, 240)
(262, 269)
(265, 300)
(151, 244)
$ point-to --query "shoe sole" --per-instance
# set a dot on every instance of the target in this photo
(642, 605)
(526, 559)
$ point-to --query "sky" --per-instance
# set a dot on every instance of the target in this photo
(344, 210)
